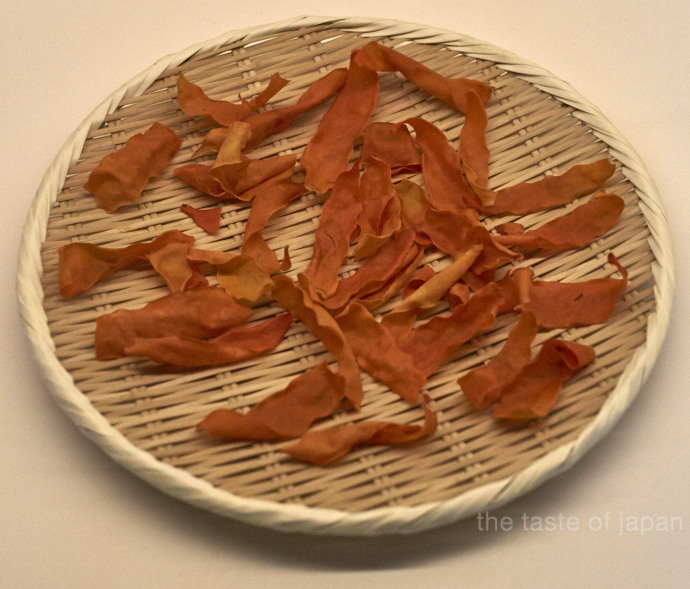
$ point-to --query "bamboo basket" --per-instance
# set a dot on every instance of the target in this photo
(144, 418)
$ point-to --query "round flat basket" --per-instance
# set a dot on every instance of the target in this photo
(145, 416)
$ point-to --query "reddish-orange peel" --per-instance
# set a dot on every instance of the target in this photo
(433, 342)
(483, 385)
(121, 176)
(196, 313)
(288, 413)
(234, 345)
(332, 238)
(378, 353)
(206, 219)
(81, 265)
(580, 227)
(534, 391)
(264, 206)
(552, 190)
(195, 102)
(451, 91)
(565, 304)
(328, 152)
(328, 445)
(296, 300)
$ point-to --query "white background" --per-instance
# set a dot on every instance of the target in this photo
(70, 517)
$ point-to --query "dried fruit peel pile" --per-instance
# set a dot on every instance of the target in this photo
(376, 215)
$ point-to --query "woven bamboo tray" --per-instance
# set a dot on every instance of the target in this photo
(144, 418)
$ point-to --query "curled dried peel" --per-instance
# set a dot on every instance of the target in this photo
(206, 219)
(81, 265)
(380, 215)
(551, 191)
(244, 180)
(580, 227)
(332, 238)
(328, 445)
(234, 175)
(328, 152)
(443, 174)
(565, 304)
(437, 286)
(240, 275)
(172, 264)
(378, 353)
(451, 91)
(379, 293)
(523, 387)
(236, 137)
(534, 391)
(483, 385)
(264, 205)
(295, 298)
(120, 177)
(433, 342)
(451, 231)
(430, 292)
(391, 143)
(234, 345)
(256, 179)
(199, 176)
(377, 272)
(473, 151)
(417, 280)
(288, 413)
(271, 122)
(195, 102)
(198, 313)
(267, 123)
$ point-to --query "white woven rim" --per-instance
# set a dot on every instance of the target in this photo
(295, 518)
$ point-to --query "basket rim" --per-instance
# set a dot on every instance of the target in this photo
(292, 517)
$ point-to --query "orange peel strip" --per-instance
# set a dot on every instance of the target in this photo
(332, 237)
(377, 271)
(580, 227)
(288, 413)
(328, 152)
(206, 219)
(196, 313)
(81, 265)
(391, 143)
(267, 123)
(378, 354)
(565, 304)
(380, 215)
(194, 102)
(433, 342)
(483, 385)
(264, 205)
(329, 445)
(551, 191)
(295, 299)
(121, 176)
(534, 391)
(234, 345)
(441, 169)
(451, 91)
(238, 274)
